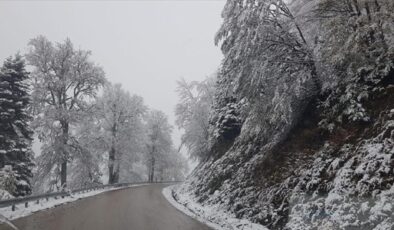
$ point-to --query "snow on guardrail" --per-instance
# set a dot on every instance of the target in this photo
(14, 201)
(19, 207)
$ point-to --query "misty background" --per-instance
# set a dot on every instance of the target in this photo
(144, 45)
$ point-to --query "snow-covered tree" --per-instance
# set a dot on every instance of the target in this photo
(171, 166)
(269, 69)
(15, 132)
(263, 37)
(120, 120)
(64, 79)
(357, 42)
(88, 157)
(192, 112)
(158, 143)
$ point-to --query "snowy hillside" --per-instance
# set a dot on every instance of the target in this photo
(301, 134)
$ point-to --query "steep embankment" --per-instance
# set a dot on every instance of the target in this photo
(302, 131)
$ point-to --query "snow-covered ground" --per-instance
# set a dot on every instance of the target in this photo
(212, 216)
(21, 211)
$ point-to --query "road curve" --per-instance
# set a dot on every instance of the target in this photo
(138, 208)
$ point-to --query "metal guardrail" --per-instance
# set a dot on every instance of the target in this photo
(13, 202)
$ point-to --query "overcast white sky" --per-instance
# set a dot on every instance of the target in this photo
(145, 45)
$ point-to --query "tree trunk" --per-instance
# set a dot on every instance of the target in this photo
(116, 172)
(152, 170)
(315, 79)
(64, 154)
(111, 164)
(2, 160)
(151, 167)
(63, 174)
(112, 156)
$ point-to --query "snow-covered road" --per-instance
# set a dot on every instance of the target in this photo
(139, 208)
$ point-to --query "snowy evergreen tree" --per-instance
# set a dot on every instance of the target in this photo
(15, 133)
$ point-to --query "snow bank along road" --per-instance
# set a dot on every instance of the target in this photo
(139, 208)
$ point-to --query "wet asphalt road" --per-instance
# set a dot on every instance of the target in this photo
(139, 208)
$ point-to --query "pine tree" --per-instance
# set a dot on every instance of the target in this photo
(15, 133)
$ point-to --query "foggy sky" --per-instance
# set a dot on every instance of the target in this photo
(145, 45)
